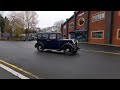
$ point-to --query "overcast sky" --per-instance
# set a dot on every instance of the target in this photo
(47, 18)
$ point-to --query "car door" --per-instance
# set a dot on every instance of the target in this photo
(53, 42)
(43, 39)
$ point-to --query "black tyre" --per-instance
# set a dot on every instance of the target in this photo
(68, 50)
(75, 51)
(40, 48)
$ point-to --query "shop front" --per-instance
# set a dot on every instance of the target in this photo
(80, 35)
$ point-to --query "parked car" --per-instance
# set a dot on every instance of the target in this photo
(23, 37)
(31, 37)
(54, 41)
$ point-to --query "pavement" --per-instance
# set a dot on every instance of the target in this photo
(86, 64)
(97, 47)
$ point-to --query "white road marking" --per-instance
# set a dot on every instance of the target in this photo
(101, 52)
(99, 44)
(13, 72)
(20, 69)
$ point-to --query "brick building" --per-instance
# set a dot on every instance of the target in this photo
(101, 27)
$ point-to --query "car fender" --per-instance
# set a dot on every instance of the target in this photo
(39, 43)
(67, 44)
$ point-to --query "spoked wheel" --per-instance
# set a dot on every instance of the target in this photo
(68, 50)
(40, 48)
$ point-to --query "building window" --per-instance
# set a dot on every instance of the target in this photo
(71, 25)
(81, 21)
(118, 34)
(98, 16)
(98, 34)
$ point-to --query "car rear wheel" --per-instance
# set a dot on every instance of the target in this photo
(40, 48)
(68, 50)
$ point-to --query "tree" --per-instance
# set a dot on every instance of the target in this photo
(57, 25)
(33, 31)
(23, 19)
(6, 25)
(16, 23)
(16, 20)
(29, 18)
(2, 12)
(18, 31)
(1, 23)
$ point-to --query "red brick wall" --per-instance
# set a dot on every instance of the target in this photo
(95, 26)
(116, 26)
(64, 30)
(81, 14)
(70, 29)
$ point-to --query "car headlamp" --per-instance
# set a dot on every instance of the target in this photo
(73, 41)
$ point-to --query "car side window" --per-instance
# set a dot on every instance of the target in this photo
(52, 36)
(39, 36)
(59, 36)
(45, 36)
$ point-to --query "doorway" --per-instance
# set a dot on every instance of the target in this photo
(80, 36)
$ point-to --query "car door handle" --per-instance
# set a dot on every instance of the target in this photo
(48, 40)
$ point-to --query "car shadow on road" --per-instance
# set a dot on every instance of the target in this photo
(53, 53)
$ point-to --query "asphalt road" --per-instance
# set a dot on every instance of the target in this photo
(56, 65)
(6, 75)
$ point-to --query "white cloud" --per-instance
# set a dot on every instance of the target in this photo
(47, 18)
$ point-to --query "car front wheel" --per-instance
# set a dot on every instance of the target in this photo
(75, 51)
(68, 50)
(40, 48)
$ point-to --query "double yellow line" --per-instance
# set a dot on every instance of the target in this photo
(20, 69)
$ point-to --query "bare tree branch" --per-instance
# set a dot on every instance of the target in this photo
(57, 25)
(30, 18)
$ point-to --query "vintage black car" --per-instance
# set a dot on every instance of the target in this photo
(54, 41)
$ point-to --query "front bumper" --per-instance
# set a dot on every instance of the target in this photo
(76, 47)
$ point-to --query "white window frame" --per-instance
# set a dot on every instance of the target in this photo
(71, 23)
(118, 34)
(97, 31)
(81, 14)
(100, 14)
(79, 20)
